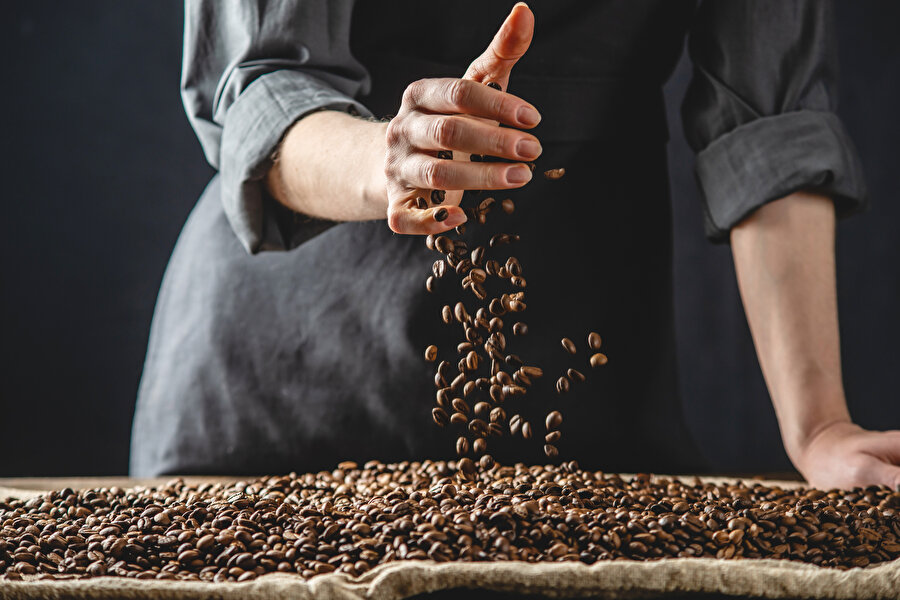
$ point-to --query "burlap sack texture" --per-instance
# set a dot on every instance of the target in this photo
(403, 579)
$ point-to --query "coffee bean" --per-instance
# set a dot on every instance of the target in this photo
(437, 197)
(430, 284)
(594, 341)
(515, 424)
(431, 353)
(445, 154)
(494, 85)
(552, 437)
(429, 241)
(576, 375)
(526, 430)
(569, 345)
(562, 385)
(458, 418)
(554, 419)
(460, 405)
(421, 203)
(492, 267)
(520, 328)
(508, 206)
(515, 362)
(598, 359)
(440, 416)
(462, 446)
(486, 461)
(550, 450)
(459, 311)
(481, 408)
(466, 465)
(479, 446)
(554, 173)
(460, 229)
(476, 158)
(441, 214)
(443, 244)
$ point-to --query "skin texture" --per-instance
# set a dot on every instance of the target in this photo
(334, 166)
(784, 258)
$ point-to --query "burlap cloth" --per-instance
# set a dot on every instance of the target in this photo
(403, 579)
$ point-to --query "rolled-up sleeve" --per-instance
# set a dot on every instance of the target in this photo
(250, 70)
(759, 111)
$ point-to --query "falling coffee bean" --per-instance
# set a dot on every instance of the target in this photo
(575, 375)
(594, 341)
(554, 420)
(551, 451)
(562, 385)
(440, 416)
(486, 461)
(554, 173)
(520, 328)
(443, 244)
(569, 345)
(526, 430)
(553, 437)
(462, 446)
(430, 284)
(599, 359)
(508, 206)
(431, 353)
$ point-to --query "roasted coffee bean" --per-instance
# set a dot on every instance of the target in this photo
(520, 328)
(478, 256)
(508, 206)
(421, 203)
(492, 267)
(469, 389)
(513, 266)
(437, 197)
(554, 420)
(496, 307)
(515, 362)
(550, 450)
(521, 378)
(526, 430)
(494, 85)
(516, 306)
(515, 424)
(466, 465)
(486, 461)
(599, 359)
(460, 405)
(445, 154)
(429, 241)
(440, 416)
(443, 244)
(554, 173)
(498, 415)
(518, 281)
(472, 360)
(441, 214)
(562, 385)
(459, 311)
(439, 268)
(481, 408)
(430, 284)
(478, 275)
(447, 314)
(575, 375)
(463, 347)
(552, 437)
(569, 345)
(495, 324)
(431, 353)
(460, 229)
(594, 341)
(462, 446)
(458, 418)
(479, 446)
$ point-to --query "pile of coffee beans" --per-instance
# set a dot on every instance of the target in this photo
(471, 393)
(351, 519)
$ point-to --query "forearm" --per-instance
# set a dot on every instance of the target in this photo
(784, 259)
(331, 166)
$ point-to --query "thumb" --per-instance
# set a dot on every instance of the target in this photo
(508, 46)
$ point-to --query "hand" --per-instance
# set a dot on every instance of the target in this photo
(844, 455)
(460, 115)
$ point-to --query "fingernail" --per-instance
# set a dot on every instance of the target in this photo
(457, 217)
(528, 149)
(528, 116)
(518, 174)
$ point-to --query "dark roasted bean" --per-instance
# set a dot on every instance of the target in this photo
(598, 359)
(569, 345)
(554, 173)
(508, 206)
(441, 214)
(437, 197)
(575, 375)
(431, 353)
(520, 328)
(553, 420)
(562, 385)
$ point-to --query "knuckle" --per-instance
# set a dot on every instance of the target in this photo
(458, 92)
(413, 93)
(394, 133)
(435, 173)
(395, 221)
(494, 176)
(501, 143)
(444, 131)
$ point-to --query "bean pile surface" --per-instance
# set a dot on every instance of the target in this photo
(352, 519)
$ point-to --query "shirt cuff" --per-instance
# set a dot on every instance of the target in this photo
(772, 157)
(253, 128)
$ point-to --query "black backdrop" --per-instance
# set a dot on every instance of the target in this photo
(100, 169)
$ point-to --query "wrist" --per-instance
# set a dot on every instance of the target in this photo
(807, 408)
(375, 191)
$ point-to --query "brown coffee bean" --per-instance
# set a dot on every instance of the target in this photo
(479, 446)
(526, 430)
(569, 345)
(443, 244)
(554, 173)
(439, 268)
(460, 405)
(440, 416)
(447, 314)
(515, 425)
(441, 214)
(594, 341)
(430, 284)
(437, 197)
(515, 362)
(486, 461)
(459, 311)
(421, 203)
(431, 353)
(520, 328)
(466, 465)
(562, 385)
(516, 305)
(469, 388)
(462, 446)
(498, 415)
(472, 360)
(552, 437)
(576, 375)
(429, 241)
(458, 418)
(495, 324)
(508, 206)
(550, 450)
(598, 359)
(554, 420)
(481, 408)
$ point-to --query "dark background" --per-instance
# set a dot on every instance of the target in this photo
(100, 170)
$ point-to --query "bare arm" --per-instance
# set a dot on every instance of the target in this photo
(784, 258)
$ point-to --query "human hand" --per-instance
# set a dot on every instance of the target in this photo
(844, 455)
(461, 116)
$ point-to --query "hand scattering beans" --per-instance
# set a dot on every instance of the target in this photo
(350, 520)
(491, 377)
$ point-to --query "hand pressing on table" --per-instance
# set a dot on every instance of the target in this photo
(337, 167)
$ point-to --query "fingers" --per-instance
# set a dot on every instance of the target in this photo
(509, 44)
(887, 474)
(408, 219)
(460, 96)
(431, 173)
(444, 132)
